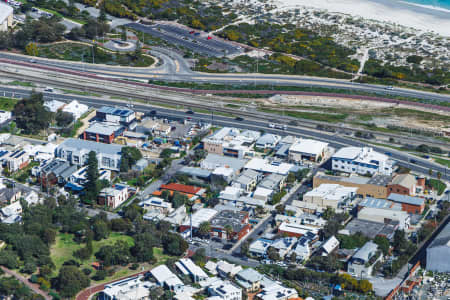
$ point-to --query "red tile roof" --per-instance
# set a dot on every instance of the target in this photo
(182, 188)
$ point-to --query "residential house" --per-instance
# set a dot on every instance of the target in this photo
(224, 291)
(156, 203)
(11, 213)
(187, 267)
(56, 171)
(192, 192)
(6, 17)
(247, 180)
(17, 160)
(226, 269)
(76, 152)
(362, 262)
(165, 278)
(259, 247)
(76, 109)
(113, 196)
(329, 246)
(284, 245)
(249, 280)
(302, 249)
(274, 182)
(272, 290)
(5, 116)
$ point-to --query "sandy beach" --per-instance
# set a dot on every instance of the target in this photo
(393, 11)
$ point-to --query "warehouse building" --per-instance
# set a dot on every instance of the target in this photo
(438, 252)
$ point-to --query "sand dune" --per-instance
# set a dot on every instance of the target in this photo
(394, 11)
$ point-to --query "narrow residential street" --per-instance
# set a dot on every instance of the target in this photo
(34, 287)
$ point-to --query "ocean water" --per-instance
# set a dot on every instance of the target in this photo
(445, 4)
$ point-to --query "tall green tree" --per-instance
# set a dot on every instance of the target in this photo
(92, 175)
(31, 115)
(71, 280)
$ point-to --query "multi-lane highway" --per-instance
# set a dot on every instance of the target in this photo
(174, 67)
(335, 140)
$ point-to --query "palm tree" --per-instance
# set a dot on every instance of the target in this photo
(228, 230)
(204, 228)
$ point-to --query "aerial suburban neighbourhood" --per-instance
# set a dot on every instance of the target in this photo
(267, 150)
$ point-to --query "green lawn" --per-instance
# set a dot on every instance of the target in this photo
(7, 103)
(64, 247)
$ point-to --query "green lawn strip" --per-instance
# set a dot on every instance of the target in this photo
(81, 93)
(332, 118)
(20, 83)
(441, 161)
(7, 103)
(81, 22)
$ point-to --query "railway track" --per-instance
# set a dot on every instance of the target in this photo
(146, 92)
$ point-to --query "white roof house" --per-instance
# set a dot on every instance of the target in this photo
(53, 105)
(156, 203)
(225, 290)
(297, 229)
(259, 247)
(200, 216)
(264, 166)
(76, 109)
(226, 269)
(307, 149)
(330, 245)
(302, 249)
(165, 277)
(187, 267)
(330, 195)
(6, 16)
(361, 161)
(127, 289)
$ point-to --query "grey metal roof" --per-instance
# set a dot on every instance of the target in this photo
(405, 199)
(91, 146)
(117, 111)
(247, 176)
(198, 172)
(443, 238)
(103, 128)
(271, 181)
(250, 275)
(366, 251)
(219, 160)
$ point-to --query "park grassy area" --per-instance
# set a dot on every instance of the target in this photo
(64, 247)
(7, 103)
(80, 52)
